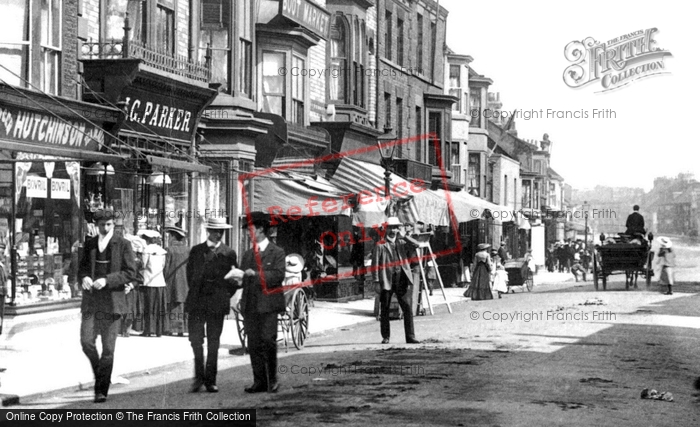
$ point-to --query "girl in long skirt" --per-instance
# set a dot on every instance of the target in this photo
(480, 288)
(176, 281)
(667, 260)
(153, 289)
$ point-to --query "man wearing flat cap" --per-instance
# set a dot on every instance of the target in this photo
(391, 273)
(263, 270)
(207, 302)
(107, 267)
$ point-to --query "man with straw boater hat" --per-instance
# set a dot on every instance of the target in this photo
(207, 302)
(391, 274)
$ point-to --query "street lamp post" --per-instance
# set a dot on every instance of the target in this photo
(387, 153)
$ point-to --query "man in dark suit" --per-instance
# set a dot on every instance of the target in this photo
(635, 222)
(391, 273)
(207, 302)
(263, 269)
(106, 269)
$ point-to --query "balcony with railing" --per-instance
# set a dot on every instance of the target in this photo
(160, 59)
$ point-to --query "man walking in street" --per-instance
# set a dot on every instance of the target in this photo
(106, 270)
(391, 274)
(263, 269)
(207, 302)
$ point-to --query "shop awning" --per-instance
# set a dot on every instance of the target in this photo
(94, 156)
(414, 203)
(293, 194)
(466, 207)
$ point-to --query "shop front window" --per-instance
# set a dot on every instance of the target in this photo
(298, 91)
(47, 223)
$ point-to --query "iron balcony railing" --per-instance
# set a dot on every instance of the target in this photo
(158, 58)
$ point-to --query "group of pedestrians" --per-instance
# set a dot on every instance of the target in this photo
(488, 273)
(109, 273)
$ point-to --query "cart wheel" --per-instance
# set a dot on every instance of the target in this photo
(299, 319)
(242, 335)
(530, 281)
(595, 271)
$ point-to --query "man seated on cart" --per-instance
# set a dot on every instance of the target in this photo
(635, 223)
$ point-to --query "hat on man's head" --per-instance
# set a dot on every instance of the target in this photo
(176, 230)
(218, 223)
(393, 222)
(483, 246)
(665, 242)
(106, 214)
(256, 219)
(503, 243)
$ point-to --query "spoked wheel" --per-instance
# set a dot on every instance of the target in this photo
(299, 319)
(242, 335)
(530, 281)
(596, 271)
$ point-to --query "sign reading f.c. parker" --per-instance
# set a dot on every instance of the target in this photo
(615, 63)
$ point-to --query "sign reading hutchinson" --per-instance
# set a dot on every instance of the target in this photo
(616, 62)
(37, 128)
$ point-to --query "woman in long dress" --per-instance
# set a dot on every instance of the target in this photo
(500, 276)
(153, 290)
(176, 281)
(480, 288)
(667, 260)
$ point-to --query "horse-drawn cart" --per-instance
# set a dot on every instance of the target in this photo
(519, 274)
(628, 258)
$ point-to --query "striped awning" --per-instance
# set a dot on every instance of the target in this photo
(408, 203)
(289, 193)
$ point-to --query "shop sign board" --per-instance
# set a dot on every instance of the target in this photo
(17, 124)
(37, 187)
(167, 115)
(60, 188)
(308, 15)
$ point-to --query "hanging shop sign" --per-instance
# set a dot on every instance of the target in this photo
(21, 125)
(60, 188)
(37, 187)
(162, 113)
(308, 15)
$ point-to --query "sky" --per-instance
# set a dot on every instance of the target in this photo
(520, 45)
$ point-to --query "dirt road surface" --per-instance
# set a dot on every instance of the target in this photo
(561, 355)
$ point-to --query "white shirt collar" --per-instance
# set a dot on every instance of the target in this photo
(103, 241)
(212, 244)
(263, 245)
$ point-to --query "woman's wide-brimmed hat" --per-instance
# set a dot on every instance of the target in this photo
(217, 224)
(148, 233)
(483, 246)
(176, 230)
(294, 263)
(665, 242)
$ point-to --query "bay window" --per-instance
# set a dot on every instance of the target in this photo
(337, 81)
(297, 92)
(214, 33)
(273, 85)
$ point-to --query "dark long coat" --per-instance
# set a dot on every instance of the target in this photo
(204, 296)
(111, 298)
(272, 264)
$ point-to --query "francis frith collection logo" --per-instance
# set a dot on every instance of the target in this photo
(615, 63)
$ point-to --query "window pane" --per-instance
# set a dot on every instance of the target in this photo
(165, 30)
(246, 65)
(273, 83)
(337, 78)
(15, 58)
(56, 23)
